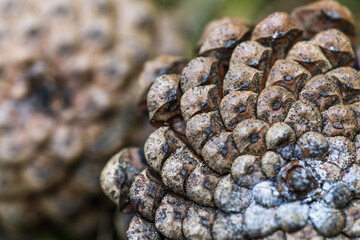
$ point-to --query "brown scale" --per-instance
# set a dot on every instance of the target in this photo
(339, 120)
(22, 134)
(197, 225)
(146, 193)
(348, 79)
(322, 90)
(288, 74)
(278, 31)
(243, 78)
(163, 142)
(282, 139)
(199, 100)
(200, 185)
(200, 71)
(271, 163)
(252, 54)
(63, 46)
(163, 98)
(99, 140)
(119, 173)
(355, 107)
(169, 216)
(336, 47)
(238, 106)
(304, 117)
(220, 152)
(220, 37)
(157, 67)
(139, 228)
(323, 15)
(273, 104)
(201, 127)
(310, 56)
(97, 35)
(177, 168)
(249, 136)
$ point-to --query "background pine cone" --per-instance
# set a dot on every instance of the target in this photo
(68, 71)
(259, 134)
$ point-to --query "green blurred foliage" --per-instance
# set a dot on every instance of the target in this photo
(168, 3)
(244, 8)
(54, 238)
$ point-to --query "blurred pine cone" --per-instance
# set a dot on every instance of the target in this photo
(259, 135)
(68, 71)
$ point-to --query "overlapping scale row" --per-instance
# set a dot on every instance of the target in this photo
(270, 146)
(266, 216)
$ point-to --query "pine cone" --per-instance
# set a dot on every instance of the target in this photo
(68, 74)
(271, 144)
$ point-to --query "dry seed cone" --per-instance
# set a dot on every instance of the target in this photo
(119, 172)
(68, 71)
(260, 134)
